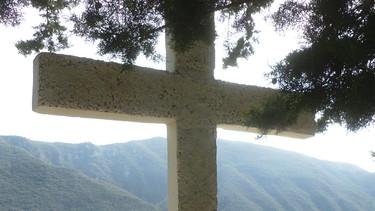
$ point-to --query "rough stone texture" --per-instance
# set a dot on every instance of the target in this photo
(188, 99)
(72, 86)
(192, 108)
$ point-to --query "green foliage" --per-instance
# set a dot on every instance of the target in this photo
(50, 34)
(277, 113)
(334, 71)
(10, 11)
(240, 12)
(189, 22)
(125, 29)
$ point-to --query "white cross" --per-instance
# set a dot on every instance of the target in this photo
(187, 98)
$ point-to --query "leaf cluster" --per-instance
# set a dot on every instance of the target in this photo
(10, 11)
(280, 111)
(123, 28)
(50, 34)
(242, 24)
(334, 71)
(126, 28)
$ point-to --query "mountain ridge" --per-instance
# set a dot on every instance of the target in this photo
(249, 176)
(27, 183)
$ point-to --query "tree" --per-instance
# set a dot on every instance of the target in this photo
(332, 74)
(126, 28)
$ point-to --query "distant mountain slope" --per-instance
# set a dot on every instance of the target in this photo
(250, 177)
(266, 178)
(27, 183)
(138, 166)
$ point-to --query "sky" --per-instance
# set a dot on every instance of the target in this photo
(17, 118)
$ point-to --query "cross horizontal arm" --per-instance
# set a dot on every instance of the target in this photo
(72, 86)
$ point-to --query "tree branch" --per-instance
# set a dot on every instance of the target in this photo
(227, 6)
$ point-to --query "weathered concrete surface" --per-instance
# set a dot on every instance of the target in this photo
(188, 99)
(72, 86)
(192, 109)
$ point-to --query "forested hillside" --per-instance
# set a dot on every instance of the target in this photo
(28, 183)
(250, 177)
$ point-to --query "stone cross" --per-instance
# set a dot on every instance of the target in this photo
(187, 98)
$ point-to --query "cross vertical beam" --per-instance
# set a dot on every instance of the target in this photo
(196, 158)
(192, 136)
(190, 101)
(192, 177)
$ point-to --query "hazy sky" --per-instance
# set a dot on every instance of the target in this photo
(17, 118)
